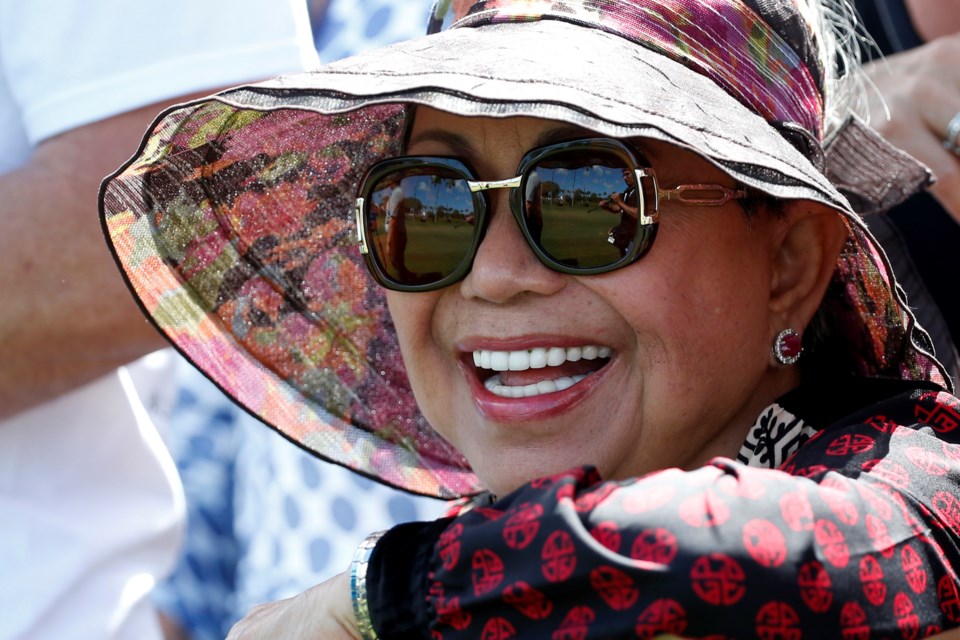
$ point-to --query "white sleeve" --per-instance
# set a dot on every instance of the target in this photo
(72, 62)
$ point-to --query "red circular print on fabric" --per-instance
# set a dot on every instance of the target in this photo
(498, 629)
(528, 600)
(489, 513)
(947, 506)
(853, 622)
(449, 611)
(744, 485)
(841, 505)
(796, 511)
(644, 501)
(813, 471)
(558, 557)
(589, 501)
(907, 620)
(936, 410)
(849, 444)
(877, 501)
(877, 532)
(949, 597)
(950, 450)
(874, 584)
(567, 479)
(883, 424)
(718, 579)
(449, 546)
(927, 461)
(487, 571)
(655, 545)
(778, 621)
(913, 569)
(616, 588)
(522, 527)
(662, 616)
(576, 625)
(892, 472)
(765, 543)
(706, 510)
(608, 534)
(833, 543)
(815, 587)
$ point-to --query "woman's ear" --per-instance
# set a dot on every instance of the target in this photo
(808, 243)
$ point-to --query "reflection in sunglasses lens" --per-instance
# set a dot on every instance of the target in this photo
(421, 223)
(567, 204)
(578, 205)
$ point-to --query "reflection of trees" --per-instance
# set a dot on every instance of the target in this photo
(549, 189)
(455, 188)
(552, 192)
(412, 204)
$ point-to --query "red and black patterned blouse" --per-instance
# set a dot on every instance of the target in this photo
(851, 531)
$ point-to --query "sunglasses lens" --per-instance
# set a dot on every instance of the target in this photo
(420, 223)
(567, 198)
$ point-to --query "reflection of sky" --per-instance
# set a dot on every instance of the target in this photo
(592, 179)
(454, 193)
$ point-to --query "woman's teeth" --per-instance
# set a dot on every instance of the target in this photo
(537, 358)
(529, 390)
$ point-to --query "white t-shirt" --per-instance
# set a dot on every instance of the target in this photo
(90, 507)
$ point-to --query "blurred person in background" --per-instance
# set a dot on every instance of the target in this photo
(916, 105)
(91, 510)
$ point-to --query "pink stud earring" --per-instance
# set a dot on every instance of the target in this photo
(787, 347)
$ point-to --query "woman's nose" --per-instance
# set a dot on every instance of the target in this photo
(505, 265)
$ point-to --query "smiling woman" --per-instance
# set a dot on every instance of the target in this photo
(645, 336)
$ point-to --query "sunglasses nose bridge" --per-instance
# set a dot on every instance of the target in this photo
(487, 185)
(477, 186)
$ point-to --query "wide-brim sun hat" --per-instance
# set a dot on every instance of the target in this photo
(234, 222)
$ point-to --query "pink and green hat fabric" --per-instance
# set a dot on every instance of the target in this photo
(234, 222)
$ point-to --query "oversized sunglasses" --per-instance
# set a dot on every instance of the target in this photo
(421, 219)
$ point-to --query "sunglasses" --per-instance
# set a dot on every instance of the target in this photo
(421, 219)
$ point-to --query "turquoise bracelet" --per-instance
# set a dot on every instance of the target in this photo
(358, 585)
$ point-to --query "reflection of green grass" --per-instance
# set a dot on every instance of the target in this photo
(438, 245)
(577, 230)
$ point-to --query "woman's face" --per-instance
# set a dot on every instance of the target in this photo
(687, 329)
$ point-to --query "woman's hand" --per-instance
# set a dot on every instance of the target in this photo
(324, 611)
(921, 88)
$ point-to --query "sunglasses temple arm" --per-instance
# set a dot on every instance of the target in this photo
(645, 217)
(361, 232)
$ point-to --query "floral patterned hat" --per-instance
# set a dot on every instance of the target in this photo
(233, 224)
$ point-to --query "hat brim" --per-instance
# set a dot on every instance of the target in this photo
(234, 222)
(556, 70)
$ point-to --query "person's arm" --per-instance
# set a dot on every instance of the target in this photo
(67, 317)
(859, 533)
(619, 205)
(921, 90)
